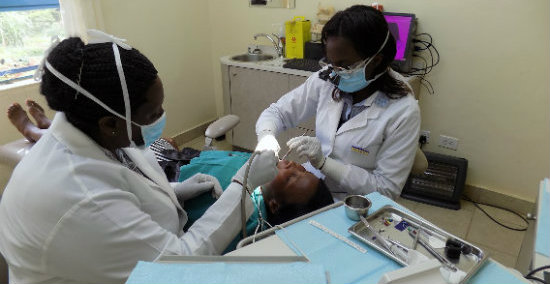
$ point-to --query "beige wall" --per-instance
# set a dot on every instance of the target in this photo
(492, 88)
(175, 36)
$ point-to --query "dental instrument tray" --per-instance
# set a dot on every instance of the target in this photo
(402, 232)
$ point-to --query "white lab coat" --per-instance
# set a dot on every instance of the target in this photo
(70, 214)
(377, 146)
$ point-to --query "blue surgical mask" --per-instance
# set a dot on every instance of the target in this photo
(356, 81)
(153, 131)
(351, 81)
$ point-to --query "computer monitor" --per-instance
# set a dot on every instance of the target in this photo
(402, 26)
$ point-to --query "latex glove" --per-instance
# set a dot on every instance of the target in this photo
(267, 141)
(309, 147)
(196, 185)
(262, 170)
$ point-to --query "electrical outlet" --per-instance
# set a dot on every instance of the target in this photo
(425, 133)
(448, 142)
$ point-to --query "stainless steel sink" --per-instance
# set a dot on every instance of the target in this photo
(252, 57)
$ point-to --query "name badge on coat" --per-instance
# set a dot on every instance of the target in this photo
(360, 150)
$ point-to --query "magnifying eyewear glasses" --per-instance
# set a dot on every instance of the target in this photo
(341, 70)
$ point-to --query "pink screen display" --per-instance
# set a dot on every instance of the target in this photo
(399, 27)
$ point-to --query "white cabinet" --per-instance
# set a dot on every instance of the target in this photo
(247, 92)
(252, 91)
(293, 82)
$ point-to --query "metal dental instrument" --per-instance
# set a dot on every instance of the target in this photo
(415, 242)
(290, 150)
(433, 252)
(379, 239)
(399, 245)
(400, 252)
(286, 154)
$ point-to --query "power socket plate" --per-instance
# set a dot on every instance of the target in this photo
(448, 142)
(425, 133)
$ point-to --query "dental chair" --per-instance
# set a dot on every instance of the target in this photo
(219, 128)
(10, 155)
(13, 152)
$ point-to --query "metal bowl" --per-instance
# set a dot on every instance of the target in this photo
(357, 205)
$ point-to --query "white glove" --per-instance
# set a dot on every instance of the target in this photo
(196, 185)
(262, 170)
(267, 141)
(309, 147)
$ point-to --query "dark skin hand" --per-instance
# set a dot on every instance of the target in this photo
(292, 185)
(112, 130)
(340, 52)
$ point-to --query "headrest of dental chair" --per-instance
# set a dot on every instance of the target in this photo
(221, 126)
(13, 152)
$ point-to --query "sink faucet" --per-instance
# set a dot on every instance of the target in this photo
(276, 44)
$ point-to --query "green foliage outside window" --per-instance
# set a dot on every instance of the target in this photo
(24, 35)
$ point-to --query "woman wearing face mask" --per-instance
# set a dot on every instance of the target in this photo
(367, 121)
(89, 200)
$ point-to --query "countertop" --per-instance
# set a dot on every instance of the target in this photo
(275, 65)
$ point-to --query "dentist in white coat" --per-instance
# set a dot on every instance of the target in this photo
(367, 120)
(87, 203)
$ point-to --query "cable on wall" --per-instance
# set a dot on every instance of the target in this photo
(425, 50)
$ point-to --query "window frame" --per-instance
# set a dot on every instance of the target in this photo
(23, 5)
(18, 5)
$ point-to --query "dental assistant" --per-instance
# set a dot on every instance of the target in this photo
(89, 200)
(366, 119)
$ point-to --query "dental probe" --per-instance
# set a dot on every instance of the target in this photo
(290, 150)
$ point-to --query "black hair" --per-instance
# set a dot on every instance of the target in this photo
(366, 28)
(286, 212)
(93, 67)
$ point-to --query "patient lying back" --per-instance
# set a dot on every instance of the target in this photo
(293, 193)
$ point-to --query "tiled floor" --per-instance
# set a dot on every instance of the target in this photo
(468, 223)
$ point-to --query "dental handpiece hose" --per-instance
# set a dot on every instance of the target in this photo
(244, 194)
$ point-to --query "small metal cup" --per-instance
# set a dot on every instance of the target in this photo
(356, 205)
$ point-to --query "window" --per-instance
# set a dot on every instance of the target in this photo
(27, 28)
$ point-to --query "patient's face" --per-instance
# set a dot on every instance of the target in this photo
(292, 185)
